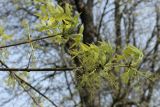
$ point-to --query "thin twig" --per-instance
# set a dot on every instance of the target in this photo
(19, 79)
(102, 17)
(37, 69)
(29, 41)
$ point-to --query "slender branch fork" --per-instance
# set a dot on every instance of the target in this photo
(20, 81)
(33, 69)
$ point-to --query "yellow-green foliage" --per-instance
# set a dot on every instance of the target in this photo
(57, 20)
(92, 56)
(97, 62)
(3, 36)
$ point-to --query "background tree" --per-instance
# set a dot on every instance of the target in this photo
(86, 80)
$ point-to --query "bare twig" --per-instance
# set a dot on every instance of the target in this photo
(36, 69)
(102, 16)
(19, 79)
(29, 41)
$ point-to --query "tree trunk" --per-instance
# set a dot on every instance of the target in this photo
(89, 36)
(118, 16)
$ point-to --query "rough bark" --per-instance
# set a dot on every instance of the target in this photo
(90, 31)
(118, 16)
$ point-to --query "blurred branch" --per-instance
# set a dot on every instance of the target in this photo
(20, 80)
(28, 12)
(102, 17)
(23, 81)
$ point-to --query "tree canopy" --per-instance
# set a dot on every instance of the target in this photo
(79, 53)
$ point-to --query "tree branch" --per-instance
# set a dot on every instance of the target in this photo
(101, 19)
(37, 69)
(29, 41)
(19, 79)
